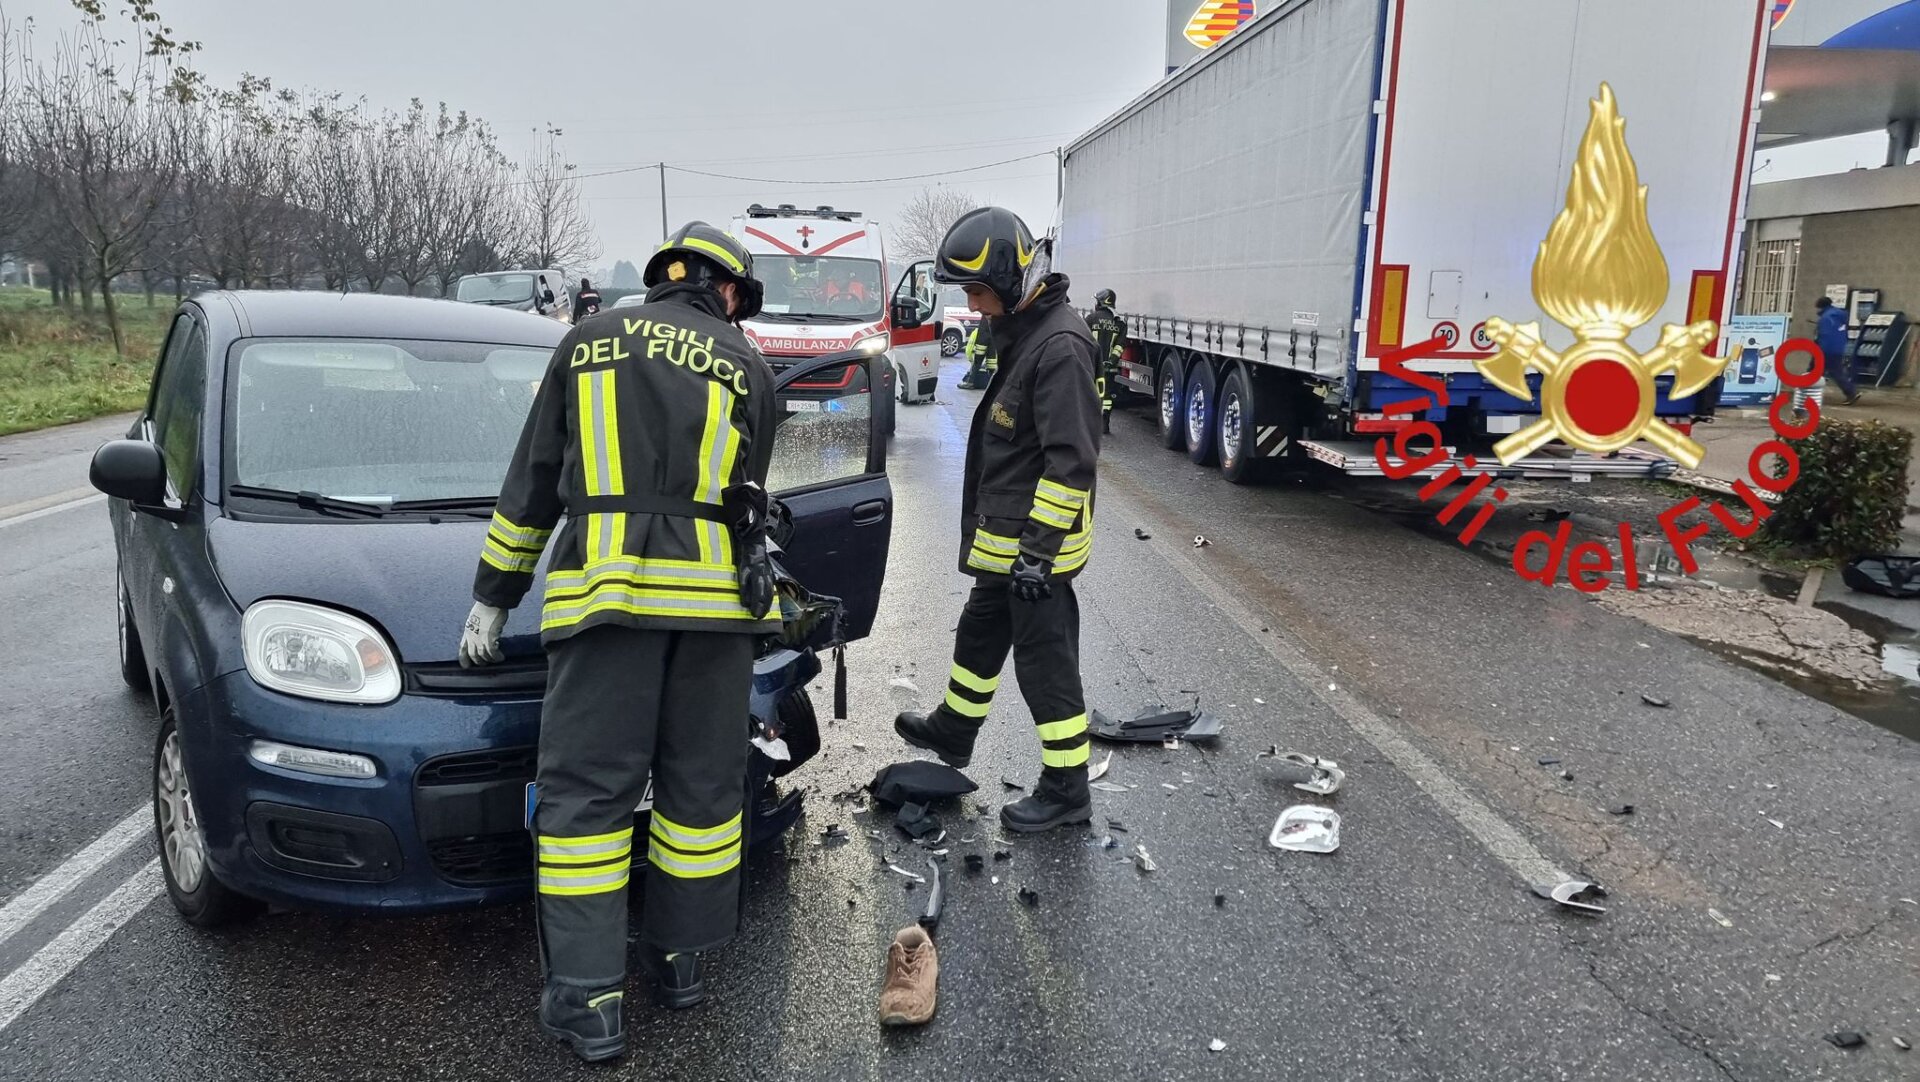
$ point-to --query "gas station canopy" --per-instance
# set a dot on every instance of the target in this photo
(1865, 78)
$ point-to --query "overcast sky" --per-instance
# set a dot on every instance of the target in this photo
(789, 90)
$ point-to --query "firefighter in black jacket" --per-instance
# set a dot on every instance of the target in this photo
(652, 434)
(1026, 516)
(1109, 338)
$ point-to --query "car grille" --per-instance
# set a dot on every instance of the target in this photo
(504, 764)
(484, 859)
(447, 680)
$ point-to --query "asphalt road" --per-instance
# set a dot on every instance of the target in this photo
(1435, 677)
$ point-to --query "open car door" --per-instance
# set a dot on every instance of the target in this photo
(830, 470)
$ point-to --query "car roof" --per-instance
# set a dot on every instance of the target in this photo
(315, 314)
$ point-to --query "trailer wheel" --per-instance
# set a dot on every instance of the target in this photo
(1240, 460)
(1172, 380)
(1201, 405)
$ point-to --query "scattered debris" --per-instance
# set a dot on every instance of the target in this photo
(1778, 823)
(904, 684)
(834, 833)
(1030, 896)
(1846, 1038)
(1171, 743)
(1773, 978)
(773, 748)
(1325, 776)
(1108, 787)
(1109, 842)
(1548, 760)
(1574, 894)
(1142, 534)
(1144, 859)
(1115, 824)
(975, 862)
(996, 880)
(919, 782)
(1889, 575)
(1654, 700)
(917, 823)
(1169, 785)
(891, 866)
(1566, 775)
(1259, 702)
(1305, 828)
(1219, 898)
(858, 746)
(936, 899)
(1098, 771)
(1002, 854)
(1902, 1045)
(909, 887)
(1719, 918)
(1154, 724)
(1549, 515)
(1218, 1045)
(1012, 784)
(1200, 542)
(1620, 809)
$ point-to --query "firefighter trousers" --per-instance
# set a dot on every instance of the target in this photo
(1044, 638)
(621, 701)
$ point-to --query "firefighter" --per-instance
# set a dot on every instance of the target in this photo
(980, 358)
(652, 434)
(1110, 337)
(1026, 516)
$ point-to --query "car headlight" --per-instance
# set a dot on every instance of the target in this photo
(872, 345)
(318, 653)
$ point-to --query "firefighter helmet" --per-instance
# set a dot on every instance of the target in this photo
(702, 255)
(991, 247)
(1104, 299)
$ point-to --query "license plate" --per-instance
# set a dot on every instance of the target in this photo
(646, 801)
(802, 405)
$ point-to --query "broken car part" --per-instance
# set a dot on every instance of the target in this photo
(936, 899)
(1324, 775)
(1030, 896)
(1574, 894)
(1846, 1038)
(1886, 574)
(1306, 828)
(918, 782)
(1144, 859)
(1155, 724)
(1142, 534)
(902, 871)
(1099, 770)
(915, 822)
(1654, 700)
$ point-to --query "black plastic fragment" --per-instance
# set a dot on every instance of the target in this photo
(1030, 896)
(1115, 824)
(1846, 1038)
(1654, 700)
(1002, 854)
(975, 862)
(1620, 809)
(1548, 760)
(1219, 899)
(1142, 534)
(916, 822)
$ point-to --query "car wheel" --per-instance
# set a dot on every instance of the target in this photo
(203, 900)
(133, 658)
(1240, 460)
(950, 343)
(1173, 431)
(1198, 414)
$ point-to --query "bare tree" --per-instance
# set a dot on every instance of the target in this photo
(104, 139)
(238, 183)
(923, 223)
(556, 231)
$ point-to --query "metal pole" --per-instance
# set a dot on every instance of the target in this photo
(1059, 174)
(663, 202)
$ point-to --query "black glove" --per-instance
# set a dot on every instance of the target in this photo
(1030, 579)
(756, 580)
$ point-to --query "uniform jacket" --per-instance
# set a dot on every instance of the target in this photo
(645, 417)
(1109, 335)
(1832, 335)
(1034, 445)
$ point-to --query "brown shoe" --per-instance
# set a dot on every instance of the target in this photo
(913, 974)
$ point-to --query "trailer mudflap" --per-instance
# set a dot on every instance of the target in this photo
(1357, 458)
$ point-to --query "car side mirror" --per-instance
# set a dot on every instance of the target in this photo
(547, 297)
(131, 470)
(906, 315)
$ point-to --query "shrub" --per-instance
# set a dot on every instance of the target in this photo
(1852, 491)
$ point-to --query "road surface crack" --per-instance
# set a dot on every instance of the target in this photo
(1839, 937)
(1680, 1034)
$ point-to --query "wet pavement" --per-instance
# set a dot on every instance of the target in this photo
(1435, 677)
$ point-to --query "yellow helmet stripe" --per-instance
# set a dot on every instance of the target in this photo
(726, 258)
(1020, 249)
(976, 262)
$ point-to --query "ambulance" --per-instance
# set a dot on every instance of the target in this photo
(825, 272)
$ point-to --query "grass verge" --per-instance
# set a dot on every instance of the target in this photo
(56, 369)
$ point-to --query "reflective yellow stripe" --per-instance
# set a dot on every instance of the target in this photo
(964, 708)
(986, 685)
(994, 543)
(1063, 730)
(686, 837)
(1048, 516)
(1061, 494)
(615, 478)
(584, 394)
(1071, 562)
(707, 487)
(510, 563)
(599, 999)
(1055, 503)
(645, 602)
(512, 533)
(597, 849)
(585, 839)
(1071, 758)
(577, 881)
(684, 867)
(726, 258)
(989, 562)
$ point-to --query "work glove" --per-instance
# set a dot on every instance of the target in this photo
(747, 508)
(480, 639)
(756, 579)
(1030, 579)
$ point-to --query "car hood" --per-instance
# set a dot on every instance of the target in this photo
(414, 580)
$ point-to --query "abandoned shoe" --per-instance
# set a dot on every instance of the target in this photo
(587, 1019)
(679, 979)
(1060, 799)
(913, 978)
(924, 731)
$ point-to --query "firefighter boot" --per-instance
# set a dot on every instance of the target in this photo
(587, 1019)
(679, 979)
(938, 733)
(1061, 798)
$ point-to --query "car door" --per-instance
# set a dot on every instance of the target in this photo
(829, 468)
(163, 424)
(916, 320)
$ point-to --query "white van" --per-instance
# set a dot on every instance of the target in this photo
(543, 292)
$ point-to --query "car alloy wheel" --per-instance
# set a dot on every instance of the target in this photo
(181, 842)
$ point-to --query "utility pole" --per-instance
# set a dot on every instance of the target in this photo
(1059, 174)
(663, 202)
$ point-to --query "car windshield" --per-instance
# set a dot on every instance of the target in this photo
(378, 421)
(830, 289)
(496, 289)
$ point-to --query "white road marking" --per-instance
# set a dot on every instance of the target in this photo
(1493, 833)
(50, 964)
(56, 884)
(44, 511)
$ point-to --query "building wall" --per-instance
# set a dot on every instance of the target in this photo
(1866, 249)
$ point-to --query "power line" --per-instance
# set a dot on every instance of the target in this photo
(870, 180)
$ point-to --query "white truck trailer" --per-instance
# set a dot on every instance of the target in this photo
(1341, 179)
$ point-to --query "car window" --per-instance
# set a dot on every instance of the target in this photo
(825, 429)
(179, 405)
